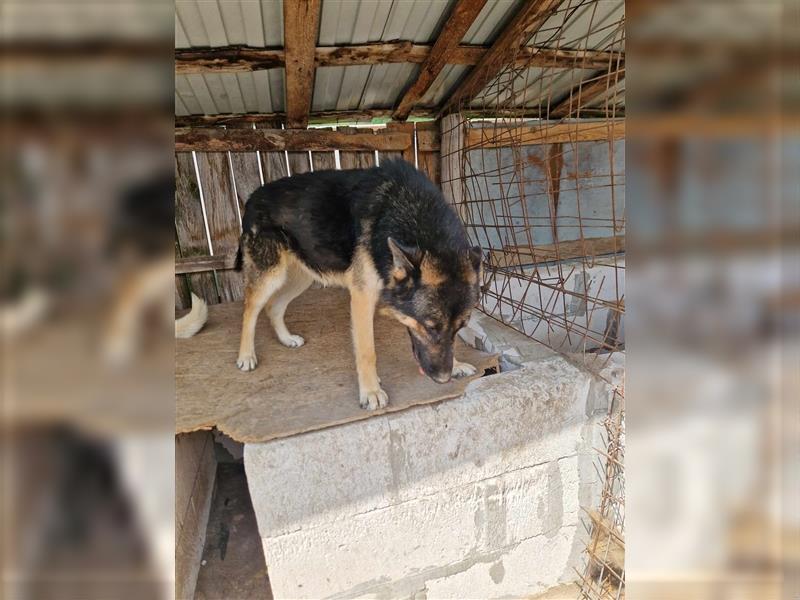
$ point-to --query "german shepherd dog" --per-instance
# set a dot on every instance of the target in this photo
(388, 236)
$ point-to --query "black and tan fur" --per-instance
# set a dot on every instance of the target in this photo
(387, 235)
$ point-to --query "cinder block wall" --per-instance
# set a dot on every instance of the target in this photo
(476, 497)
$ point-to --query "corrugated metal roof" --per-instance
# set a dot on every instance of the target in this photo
(259, 23)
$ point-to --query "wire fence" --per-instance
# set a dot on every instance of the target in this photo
(542, 190)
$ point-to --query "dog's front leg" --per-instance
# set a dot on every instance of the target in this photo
(362, 313)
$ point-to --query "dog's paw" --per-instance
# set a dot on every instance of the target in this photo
(373, 400)
(247, 363)
(292, 341)
(462, 369)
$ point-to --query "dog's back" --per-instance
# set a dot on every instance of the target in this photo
(323, 216)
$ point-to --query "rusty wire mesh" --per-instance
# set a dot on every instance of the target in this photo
(535, 166)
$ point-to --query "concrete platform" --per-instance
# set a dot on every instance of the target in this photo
(474, 497)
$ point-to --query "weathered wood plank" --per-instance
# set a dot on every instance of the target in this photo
(458, 22)
(503, 52)
(324, 161)
(244, 166)
(199, 264)
(190, 226)
(429, 163)
(355, 160)
(237, 59)
(511, 256)
(300, 25)
(298, 163)
(553, 133)
(223, 219)
(321, 117)
(245, 140)
(452, 154)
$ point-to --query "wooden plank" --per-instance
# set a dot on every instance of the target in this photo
(242, 59)
(281, 398)
(320, 117)
(429, 163)
(223, 219)
(355, 160)
(273, 164)
(323, 161)
(245, 173)
(244, 140)
(458, 22)
(190, 226)
(199, 264)
(503, 52)
(300, 26)
(298, 163)
(501, 137)
(231, 59)
(585, 92)
(512, 256)
(452, 131)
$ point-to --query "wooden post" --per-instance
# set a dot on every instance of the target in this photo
(301, 24)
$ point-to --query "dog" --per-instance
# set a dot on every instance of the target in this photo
(388, 236)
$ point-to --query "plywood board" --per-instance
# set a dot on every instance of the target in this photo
(295, 390)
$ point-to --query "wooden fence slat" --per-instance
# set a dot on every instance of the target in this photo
(244, 166)
(429, 163)
(223, 220)
(273, 163)
(350, 159)
(298, 163)
(190, 226)
(323, 161)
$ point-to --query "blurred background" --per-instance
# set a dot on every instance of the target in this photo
(713, 299)
(86, 499)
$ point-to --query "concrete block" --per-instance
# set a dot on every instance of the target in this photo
(381, 507)
(527, 568)
(349, 557)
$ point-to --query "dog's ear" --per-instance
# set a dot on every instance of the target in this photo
(475, 256)
(405, 259)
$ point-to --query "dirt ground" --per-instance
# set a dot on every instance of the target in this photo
(233, 561)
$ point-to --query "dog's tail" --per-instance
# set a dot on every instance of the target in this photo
(191, 323)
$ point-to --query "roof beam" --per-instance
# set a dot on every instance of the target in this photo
(458, 22)
(210, 139)
(504, 51)
(586, 92)
(233, 59)
(300, 26)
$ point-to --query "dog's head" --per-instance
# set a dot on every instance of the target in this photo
(433, 297)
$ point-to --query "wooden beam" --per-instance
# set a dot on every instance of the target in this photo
(300, 26)
(371, 54)
(236, 59)
(503, 52)
(268, 140)
(458, 22)
(584, 93)
(513, 256)
(553, 133)
(227, 60)
(318, 117)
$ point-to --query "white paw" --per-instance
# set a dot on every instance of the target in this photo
(463, 370)
(247, 363)
(373, 400)
(292, 341)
